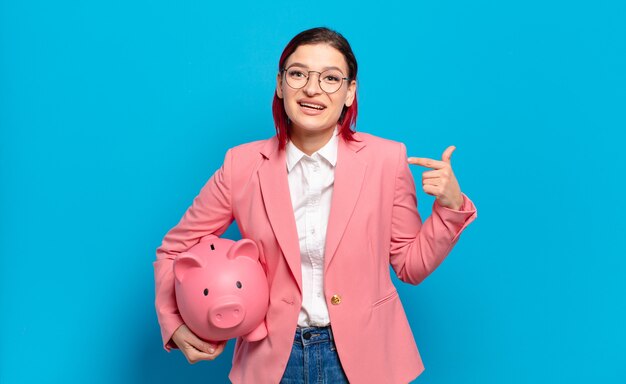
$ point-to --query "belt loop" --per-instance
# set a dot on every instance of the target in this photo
(330, 333)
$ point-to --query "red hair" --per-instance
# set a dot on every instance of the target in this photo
(347, 120)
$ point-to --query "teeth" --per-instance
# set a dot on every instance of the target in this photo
(312, 106)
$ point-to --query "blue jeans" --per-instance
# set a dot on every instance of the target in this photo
(314, 359)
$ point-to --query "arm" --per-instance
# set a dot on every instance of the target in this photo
(418, 248)
(210, 213)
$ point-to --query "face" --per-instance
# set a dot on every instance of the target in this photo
(311, 109)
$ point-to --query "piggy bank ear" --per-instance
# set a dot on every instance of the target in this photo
(244, 247)
(183, 263)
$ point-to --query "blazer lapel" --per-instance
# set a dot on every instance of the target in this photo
(277, 200)
(349, 175)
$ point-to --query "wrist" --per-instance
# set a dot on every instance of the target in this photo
(460, 203)
(456, 204)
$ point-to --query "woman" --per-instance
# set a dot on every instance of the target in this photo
(330, 210)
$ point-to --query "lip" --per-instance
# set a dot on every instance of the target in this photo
(310, 109)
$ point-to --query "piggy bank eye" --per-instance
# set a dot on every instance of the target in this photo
(239, 284)
(206, 291)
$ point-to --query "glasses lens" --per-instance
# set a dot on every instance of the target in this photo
(331, 80)
(296, 77)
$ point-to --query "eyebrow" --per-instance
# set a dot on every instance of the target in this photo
(307, 67)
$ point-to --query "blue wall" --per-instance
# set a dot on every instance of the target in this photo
(113, 114)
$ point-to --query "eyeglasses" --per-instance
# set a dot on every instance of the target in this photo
(330, 80)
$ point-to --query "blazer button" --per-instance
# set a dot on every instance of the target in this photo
(335, 300)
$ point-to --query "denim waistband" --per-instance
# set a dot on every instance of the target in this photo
(311, 335)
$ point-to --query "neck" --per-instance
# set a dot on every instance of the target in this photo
(311, 142)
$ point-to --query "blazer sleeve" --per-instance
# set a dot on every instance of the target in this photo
(418, 248)
(210, 213)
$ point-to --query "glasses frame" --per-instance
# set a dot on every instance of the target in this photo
(319, 80)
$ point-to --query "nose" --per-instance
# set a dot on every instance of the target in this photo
(227, 315)
(312, 86)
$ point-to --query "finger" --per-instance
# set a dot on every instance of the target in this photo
(434, 181)
(432, 174)
(219, 349)
(201, 345)
(447, 154)
(218, 346)
(191, 339)
(193, 355)
(431, 190)
(426, 162)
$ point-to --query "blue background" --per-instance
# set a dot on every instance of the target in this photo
(113, 114)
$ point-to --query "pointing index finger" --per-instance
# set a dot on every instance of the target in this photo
(426, 162)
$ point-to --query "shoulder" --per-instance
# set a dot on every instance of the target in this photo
(253, 148)
(384, 157)
(252, 151)
(244, 159)
(380, 147)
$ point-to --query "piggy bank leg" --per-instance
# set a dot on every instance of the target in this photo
(257, 334)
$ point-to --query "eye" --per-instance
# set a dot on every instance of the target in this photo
(206, 291)
(239, 284)
(332, 78)
(296, 73)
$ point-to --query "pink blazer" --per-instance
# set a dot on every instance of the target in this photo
(373, 223)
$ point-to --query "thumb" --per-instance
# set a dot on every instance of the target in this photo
(447, 154)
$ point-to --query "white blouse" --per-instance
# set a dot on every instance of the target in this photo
(311, 180)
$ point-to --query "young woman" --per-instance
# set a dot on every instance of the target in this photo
(330, 210)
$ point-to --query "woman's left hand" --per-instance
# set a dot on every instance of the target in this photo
(440, 182)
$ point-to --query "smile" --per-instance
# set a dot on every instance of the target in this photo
(313, 106)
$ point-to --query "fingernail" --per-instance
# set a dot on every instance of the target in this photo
(211, 350)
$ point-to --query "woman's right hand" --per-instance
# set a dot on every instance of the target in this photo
(194, 348)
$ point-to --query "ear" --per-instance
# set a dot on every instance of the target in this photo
(279, 85)
(351, 93)
(185, 262)
(244, 248)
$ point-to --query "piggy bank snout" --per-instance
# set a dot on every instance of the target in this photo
(227, 314)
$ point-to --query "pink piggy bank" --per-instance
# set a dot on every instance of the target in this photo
(221, 289)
